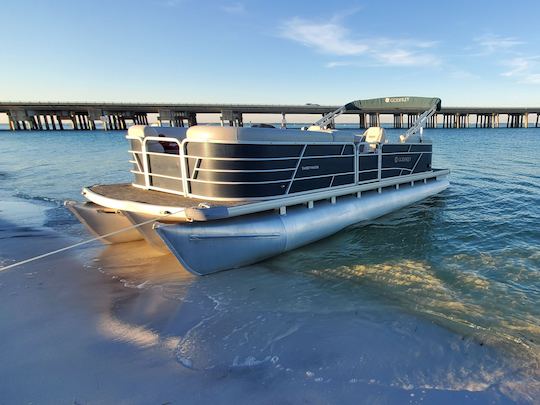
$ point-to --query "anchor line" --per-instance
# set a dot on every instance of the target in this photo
(42, 256)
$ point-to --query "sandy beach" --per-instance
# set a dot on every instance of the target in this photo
(124, 324)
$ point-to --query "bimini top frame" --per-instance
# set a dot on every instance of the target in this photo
(402, 104)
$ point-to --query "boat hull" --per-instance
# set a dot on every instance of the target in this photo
(209, 247)
(102, 221)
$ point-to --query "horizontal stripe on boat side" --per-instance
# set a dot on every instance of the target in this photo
(245, 190)
(224, 150)
(207, 164)
(243, 176)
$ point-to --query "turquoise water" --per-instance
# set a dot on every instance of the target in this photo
(467, 259)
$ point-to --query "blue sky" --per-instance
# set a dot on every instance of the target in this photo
(466, 52)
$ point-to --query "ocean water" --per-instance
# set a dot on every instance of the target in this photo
(467, 259)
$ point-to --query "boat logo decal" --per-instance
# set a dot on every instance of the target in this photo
(400, 159)
(314, 167)
(396, 99)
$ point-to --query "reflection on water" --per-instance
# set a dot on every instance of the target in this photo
(298, 318)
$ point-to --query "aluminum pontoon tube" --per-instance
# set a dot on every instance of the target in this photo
(102, 221)
(209, 247)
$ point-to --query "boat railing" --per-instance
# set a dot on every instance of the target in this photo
(180, 170)
(163, 177)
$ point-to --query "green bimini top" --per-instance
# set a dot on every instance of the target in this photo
(395, 103)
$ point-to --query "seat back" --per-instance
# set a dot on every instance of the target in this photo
(375, 135)
(372, 137)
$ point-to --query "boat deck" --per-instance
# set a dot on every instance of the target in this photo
(127, 192)
(125, 197)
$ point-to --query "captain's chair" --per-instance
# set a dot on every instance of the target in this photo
(372, 137)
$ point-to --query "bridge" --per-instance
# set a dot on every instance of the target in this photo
(118, 116)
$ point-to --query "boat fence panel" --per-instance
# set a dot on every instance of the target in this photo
(257, 170)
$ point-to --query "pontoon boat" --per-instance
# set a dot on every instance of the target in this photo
(225, 197)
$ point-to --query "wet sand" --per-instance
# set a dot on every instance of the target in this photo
(124, 324)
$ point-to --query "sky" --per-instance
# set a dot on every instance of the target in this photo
(468, 53)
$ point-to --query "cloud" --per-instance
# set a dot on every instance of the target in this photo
(519, 67)
(328, 37)
(332, 38)
(234, 8)
(340, 64)
(524, 69)
(492, 43)
(402, 57)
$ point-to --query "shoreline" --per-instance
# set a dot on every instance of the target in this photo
(139, 330)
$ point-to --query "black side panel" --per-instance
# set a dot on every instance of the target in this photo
(238, 190)
(392, 148)
(323, 150)
(421, 162)
(424, 164)
(322, 166)
(343, 179)
(310, 184)
(349, 150)
(392, 173)
(367, 176)
(225, 150)
(422, 148)
(368, 162)
(401, 161)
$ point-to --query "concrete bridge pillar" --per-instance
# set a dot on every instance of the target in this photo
(234, 118)
(192, 119)
(398, 120)
(515, 120)
(74, 121)
(374, 120)
(414, 117)
(432, 122)
(362, 122)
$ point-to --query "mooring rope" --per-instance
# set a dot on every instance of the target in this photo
(32, 259)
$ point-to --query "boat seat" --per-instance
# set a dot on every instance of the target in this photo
(142, 131)
(154, 146)
(245, 134)
(373, 136)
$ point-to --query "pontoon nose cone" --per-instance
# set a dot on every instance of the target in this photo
(204, 249)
